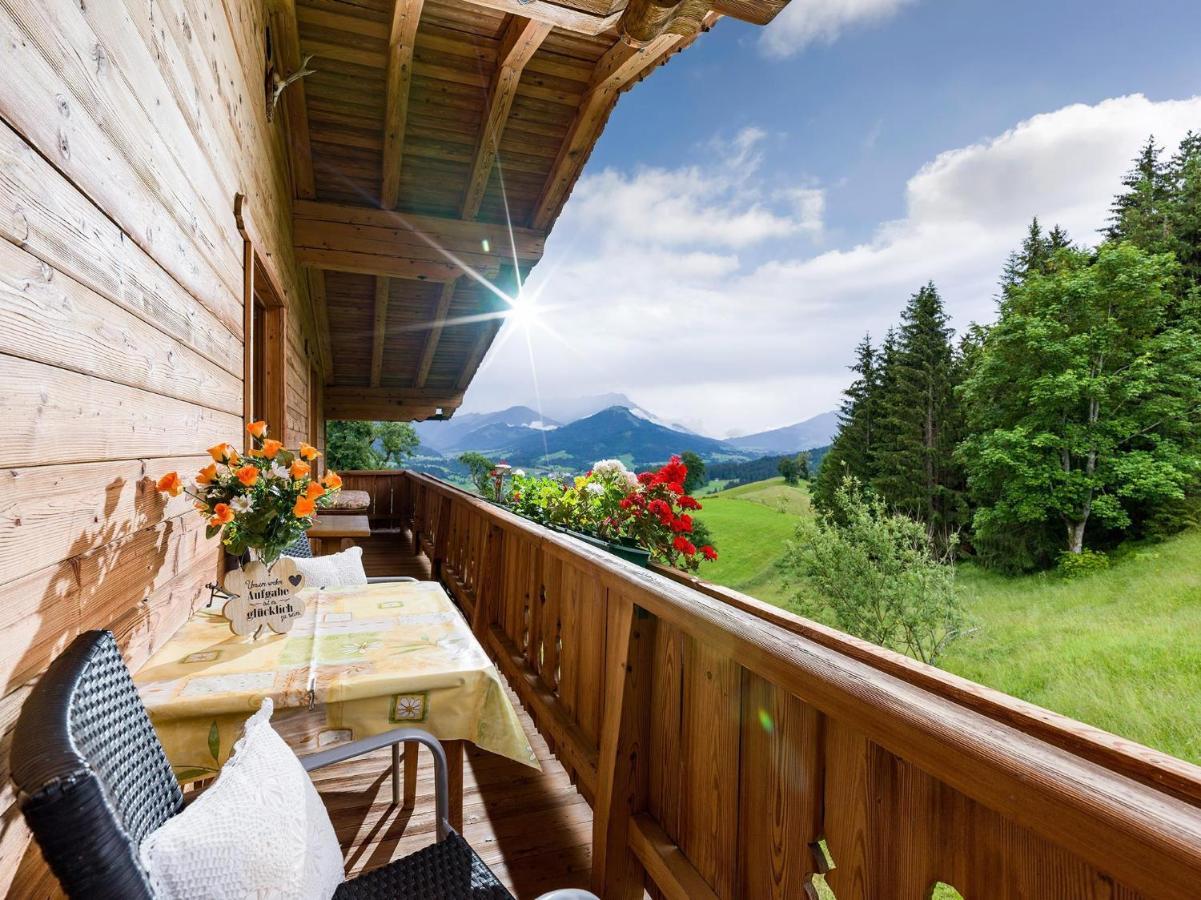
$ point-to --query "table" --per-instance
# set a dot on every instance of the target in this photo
(347, 503)
(327, 529)
(360, 661)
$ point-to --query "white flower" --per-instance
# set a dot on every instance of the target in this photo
(241, 504)
(610, 470)
(279, 471)
(519, 473)
(593, 488)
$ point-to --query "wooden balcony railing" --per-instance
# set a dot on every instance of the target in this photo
(723, 743)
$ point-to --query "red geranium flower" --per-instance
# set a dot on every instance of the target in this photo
(684, 545)
(687, 502)
(646, 478)
(709, 552)
(682, 524)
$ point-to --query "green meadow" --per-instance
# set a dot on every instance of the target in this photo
(1120, 649)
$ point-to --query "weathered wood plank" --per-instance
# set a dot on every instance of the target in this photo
(48, 218)
(48, 317)
(57, 416)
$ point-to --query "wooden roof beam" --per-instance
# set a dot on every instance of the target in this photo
(567, 18)
(478, 350)
(379, 330)
(403, 36)
(287, 43)
(613, 73)
(441, 310)
(400, 245)
(390, 404)
(520, 42)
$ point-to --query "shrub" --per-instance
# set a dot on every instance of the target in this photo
(1078, 565)
(874, 574)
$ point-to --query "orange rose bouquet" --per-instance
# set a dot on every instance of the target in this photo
(262, 501)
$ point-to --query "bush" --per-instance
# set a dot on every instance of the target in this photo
(875, 575)
(1078, 565)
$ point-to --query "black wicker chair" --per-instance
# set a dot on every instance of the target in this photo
(93, 781)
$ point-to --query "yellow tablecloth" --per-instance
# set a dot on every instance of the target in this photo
(360, 661)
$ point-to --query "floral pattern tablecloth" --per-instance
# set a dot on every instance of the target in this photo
(359, 662)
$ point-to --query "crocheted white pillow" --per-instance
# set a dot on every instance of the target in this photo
(260, 830)
(343, 569)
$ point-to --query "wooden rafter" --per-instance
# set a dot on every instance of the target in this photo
(287, 43)
(379, 330)
(441, 310)
(615, 71)
(478, 349)
(403, 36)
(316, 280)
(518, 45)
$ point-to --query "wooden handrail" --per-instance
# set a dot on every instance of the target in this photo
(725, 738)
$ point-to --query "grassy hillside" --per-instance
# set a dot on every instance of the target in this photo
(750, 525)
(1120, 650)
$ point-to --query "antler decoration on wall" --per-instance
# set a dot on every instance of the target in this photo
(278, 84)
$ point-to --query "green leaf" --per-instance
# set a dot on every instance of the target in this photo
(215, 741)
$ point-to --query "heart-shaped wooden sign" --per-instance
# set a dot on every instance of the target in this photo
(264, 596)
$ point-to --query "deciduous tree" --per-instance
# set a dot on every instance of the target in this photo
(1085, 397)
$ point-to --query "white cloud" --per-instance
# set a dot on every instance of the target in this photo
(803, 22)
(669, 284)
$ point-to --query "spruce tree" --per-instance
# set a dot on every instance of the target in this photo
(1184, 210)
(851, 451)
(1140, 213)
(919, 421)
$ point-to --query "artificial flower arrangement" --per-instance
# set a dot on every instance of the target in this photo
(649, 510)
(262, 501)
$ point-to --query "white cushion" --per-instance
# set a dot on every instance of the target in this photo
(260, 830)
(343, 569)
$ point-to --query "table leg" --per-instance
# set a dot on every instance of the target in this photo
(454, 759)
(347, 543)
(315, 545)
(410, 795)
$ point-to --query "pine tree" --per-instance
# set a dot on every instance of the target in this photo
(851, 451)
(919, 421)
(1184, 209)
(1035, 255)
(1140, 214)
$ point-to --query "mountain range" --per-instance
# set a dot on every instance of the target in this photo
(572, 434)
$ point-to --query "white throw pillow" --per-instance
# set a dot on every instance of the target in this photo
(343, 569)
(260, 830)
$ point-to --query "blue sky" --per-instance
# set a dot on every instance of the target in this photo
(772, 193)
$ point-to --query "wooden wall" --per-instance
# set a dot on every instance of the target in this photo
(126, 130)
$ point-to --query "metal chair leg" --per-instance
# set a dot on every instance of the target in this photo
(396, 774)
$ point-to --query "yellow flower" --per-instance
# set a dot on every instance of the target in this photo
(300, 469)
(332, 481)
(257, 429)
(314, 491)
(271, 447)
(170, 484)
(308, 451)
(207, 474)
(248, 475)
(304, 507)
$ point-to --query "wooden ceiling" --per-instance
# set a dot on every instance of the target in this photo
(423, 121)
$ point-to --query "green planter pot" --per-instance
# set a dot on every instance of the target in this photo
(630, 554)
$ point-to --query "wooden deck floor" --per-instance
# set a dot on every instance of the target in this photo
(534, 829)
